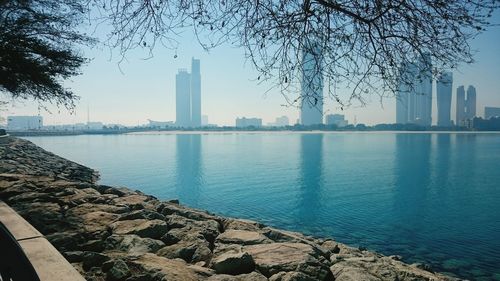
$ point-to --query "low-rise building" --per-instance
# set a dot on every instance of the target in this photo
(248, 122)
(23, 123)
(336, 119)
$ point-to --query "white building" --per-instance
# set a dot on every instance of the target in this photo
(336, 119)
(248, 122)
(23, 123)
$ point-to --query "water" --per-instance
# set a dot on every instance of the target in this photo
(432, 198)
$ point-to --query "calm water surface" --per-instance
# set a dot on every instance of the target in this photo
(428, 197)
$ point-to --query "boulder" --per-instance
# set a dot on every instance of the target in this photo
(194, 250)
(242, 224)
(144, 228)
(343, 273)
(118, 272)
(133, 244)
(253, 276)
(93, 259)
(291, 276)
(167, 269)
(233, 263)
(97, 221)
(243, 237)
(276, 257)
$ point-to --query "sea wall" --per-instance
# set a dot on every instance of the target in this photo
(115, 233)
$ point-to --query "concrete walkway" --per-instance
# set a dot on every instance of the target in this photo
(47, 261)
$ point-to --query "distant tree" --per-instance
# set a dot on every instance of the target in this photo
(37, 48)
(360, 44)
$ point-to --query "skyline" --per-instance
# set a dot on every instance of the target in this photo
(146, 88)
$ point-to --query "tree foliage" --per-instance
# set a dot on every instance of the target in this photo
(364, 43)
(37, 48)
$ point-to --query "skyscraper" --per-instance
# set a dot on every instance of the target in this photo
(444, 89)
(460, 112)
(188, 96)
(195, 93)
(311, 109)
(470, 103)
(183, 98)
(414, 93)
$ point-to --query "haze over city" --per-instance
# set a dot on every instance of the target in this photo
(138, 89)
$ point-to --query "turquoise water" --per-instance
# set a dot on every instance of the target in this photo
(432, 198)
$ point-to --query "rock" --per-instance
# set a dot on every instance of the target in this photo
(352, 274)
(233, 263)
(276, 257)
(167, 269)
(331, 246)
(98, 221)
(243, 237)
(144, 228)
(142, 214)
(254, 276)
(73, 256)
(133, 244)
(118, 272)
(241, 224)
(195, 250)
(92, 259)
(135, 201)
(291, 276)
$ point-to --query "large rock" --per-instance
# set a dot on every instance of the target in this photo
(254, 276)
(168, 269)
(291, 276)
(243, 237)
(98, 220)
(118, 272)
(195, 250)
(276, 257)
(144, 228)
(133, 244)
(233, 263)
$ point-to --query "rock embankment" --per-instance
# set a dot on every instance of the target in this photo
(111, 233)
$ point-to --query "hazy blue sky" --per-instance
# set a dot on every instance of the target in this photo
(146, 88)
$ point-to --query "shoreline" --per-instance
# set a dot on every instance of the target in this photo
(120, 234)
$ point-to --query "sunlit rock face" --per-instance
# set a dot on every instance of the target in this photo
(110, 233)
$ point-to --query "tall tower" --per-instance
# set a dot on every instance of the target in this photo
(311, 109)
(423, 92)
(402, 95)
(460, 112)
(183, 98)
(195, 93)
(444, 89)
(470, 104)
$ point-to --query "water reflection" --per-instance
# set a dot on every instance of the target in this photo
(189, 168)
(413, 172)
(310, 178)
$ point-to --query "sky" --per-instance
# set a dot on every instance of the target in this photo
(139, 89)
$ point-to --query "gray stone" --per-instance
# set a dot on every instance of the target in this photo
(118, 272)
(233, 263)
(145, 228)
(243, 237)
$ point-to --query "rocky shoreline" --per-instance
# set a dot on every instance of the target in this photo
(115, 233)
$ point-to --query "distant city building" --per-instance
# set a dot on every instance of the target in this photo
(22, 123)
(195, 93)
(466, 106)
(414, 93)
(160, 124)
(460, 110)
(183, 98)
(248, 122)
(490, 112)
(95, 125)
(311, 109)
(336, 119)
(280, 122)
(470, 103)
(204, 120)
(444, 92)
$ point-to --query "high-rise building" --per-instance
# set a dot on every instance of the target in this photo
(311, 108)
(490, 112)
(183, 99)
(188, 96)
(470, 103)
(414, 93)
(460, 111)
(195, 93)
(444, 90)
